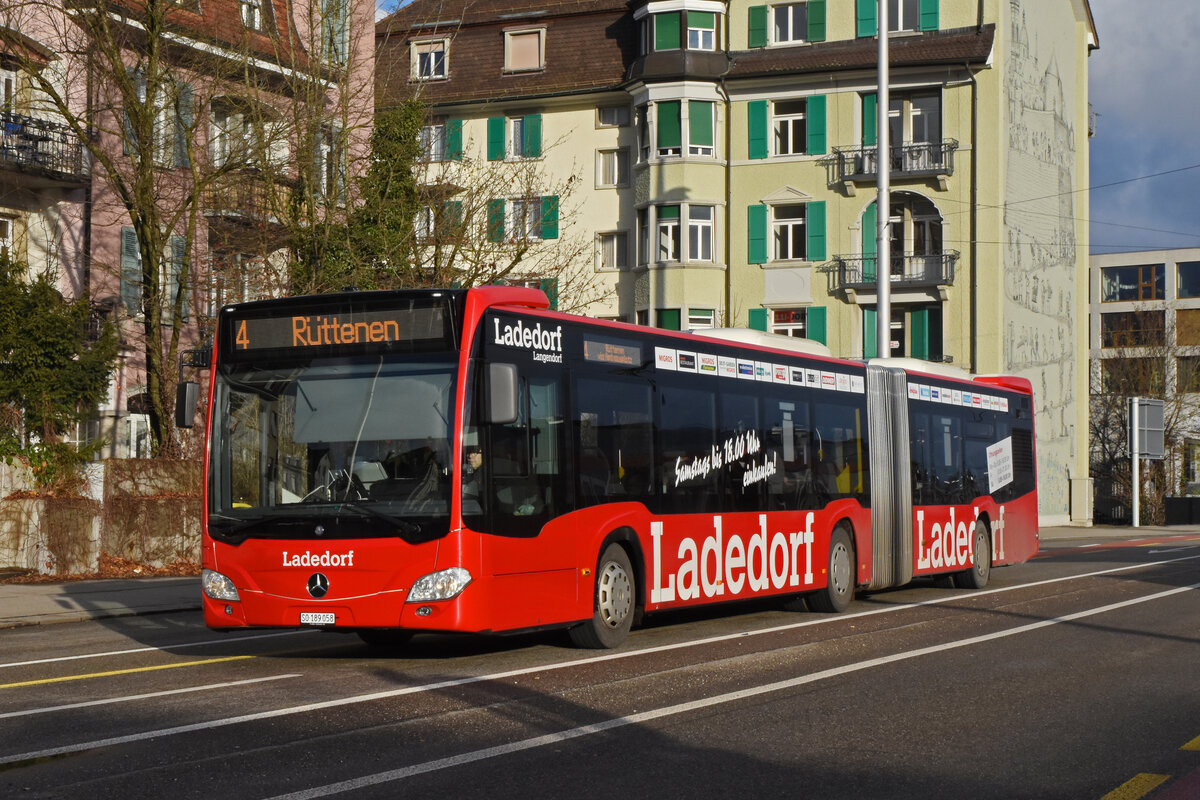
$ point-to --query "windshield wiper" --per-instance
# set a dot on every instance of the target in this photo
(370, 511)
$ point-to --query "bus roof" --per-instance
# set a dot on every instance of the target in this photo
(774, 341)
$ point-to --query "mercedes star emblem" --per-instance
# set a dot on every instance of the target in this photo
(318, 585)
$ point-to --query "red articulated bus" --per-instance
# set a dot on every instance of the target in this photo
(468, 460)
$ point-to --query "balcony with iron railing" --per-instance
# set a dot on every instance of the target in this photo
(41, 149)
(916, 160)
(245, 205)
(858, 273)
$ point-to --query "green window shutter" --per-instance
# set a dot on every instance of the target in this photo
(666, 31)
(816, 20)
(756, 139)
(869, 334)
(867, 25)
(929, 15)
(919, 331)
(454, 146)
(550, 216)
(758, 319)
(550, 287)
(495, 137)
(703, 20)
(814, 226)
(815, 111)
(452, 217)
(869, 244)
(533, 136)
(669, 128)
(668, 319)
(184, 118)
(495, 221)
(668, 212)
(758, 26)
(756, 251)
(870, 119)
(700, 123)
(814, 324)
(131, 271)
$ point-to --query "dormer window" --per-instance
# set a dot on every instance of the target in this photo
(525, 50)
(702, 30)
(429, 60)
(680, 24)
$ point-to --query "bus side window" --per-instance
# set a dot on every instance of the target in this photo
(739, 416)
(613, 435)
(687, 435)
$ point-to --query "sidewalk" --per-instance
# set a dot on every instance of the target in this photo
(74, 601)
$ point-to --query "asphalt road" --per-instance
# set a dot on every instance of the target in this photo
(1073, 676)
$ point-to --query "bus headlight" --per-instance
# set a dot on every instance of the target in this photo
(217, 586)
(443, 585)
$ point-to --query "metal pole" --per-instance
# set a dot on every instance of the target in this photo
(883, 204)
(1133, 447)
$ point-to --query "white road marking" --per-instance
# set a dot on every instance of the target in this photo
(147, 696)
(498, 676)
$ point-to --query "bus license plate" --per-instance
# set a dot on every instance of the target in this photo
(316, 618)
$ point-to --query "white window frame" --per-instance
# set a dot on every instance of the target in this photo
(701, 232)
(612, 250)
(796, 231)
(252, 14)
(7, 224)
(901, 22)
(612, 168)
(704, 39)
(797, 327)
(540, 32)
(797, 23)
(516, 137)
(781, 123)
(621, 114)
(668, 244)
(524, 219)
(432, 71)
(424, 225)
(699, 319)
(433, 142)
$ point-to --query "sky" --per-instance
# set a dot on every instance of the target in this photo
(1144, 86)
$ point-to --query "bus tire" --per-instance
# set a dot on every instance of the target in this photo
(384, 639)
(839, 588)
(981, 563)
(613, 602)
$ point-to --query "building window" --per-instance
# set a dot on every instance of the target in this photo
(1187, 375)
(788, 230)
(433, 143)
(429, 60)
(335, 30)
(525, 218)
(525, 136)
(667, 35)
(791, 127)
(611, 250)
(668, 233)
(701, 319)
(331, 163)
(904, 15)
(643, 233)
(702, 30)
(1133, 376)
(642, 115)
(424, 224)
(791, 23)
(1133, 329)
(612, 168)
(6, 237)
(790, 322)
(1137, 282)
(252, 14)
(700, 233)
(524, 50)
(669, 137)
(612, 116)
(700, 127)
(1188, 275)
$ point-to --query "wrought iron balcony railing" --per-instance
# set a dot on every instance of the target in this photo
(41, 146)
(246, 196)
(913, 160)
(860, 272)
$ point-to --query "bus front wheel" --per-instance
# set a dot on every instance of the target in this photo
(839, 588)
(981, 564)
(612, 602)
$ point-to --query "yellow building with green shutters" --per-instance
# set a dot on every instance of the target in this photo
(728, 160)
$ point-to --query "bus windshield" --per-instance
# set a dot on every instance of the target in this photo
(354, 446)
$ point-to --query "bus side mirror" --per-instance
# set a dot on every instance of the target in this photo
(501, 394)
(187, 397)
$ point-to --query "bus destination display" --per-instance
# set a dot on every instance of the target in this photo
(302, 331)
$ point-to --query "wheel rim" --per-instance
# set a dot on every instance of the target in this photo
(983, 559)
(615, 597)
(839, 568)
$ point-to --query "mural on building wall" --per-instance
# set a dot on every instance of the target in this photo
(1041, 250)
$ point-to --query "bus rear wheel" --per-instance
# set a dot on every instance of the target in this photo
(839, 588)
(981, 563)
(612, 603)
